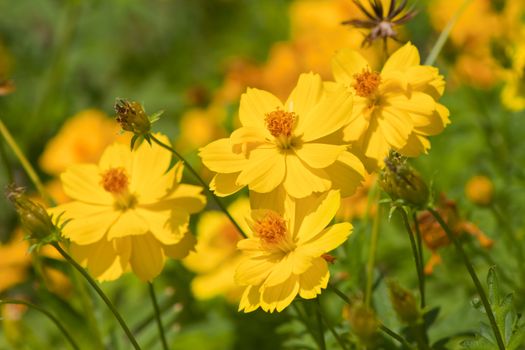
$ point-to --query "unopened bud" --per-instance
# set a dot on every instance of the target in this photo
(401, 181)
(404, 303)
(34, 218)
(363, 321)
(479, 190)
(132, 117)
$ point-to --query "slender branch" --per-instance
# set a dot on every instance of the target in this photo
(473, 275)
(157, 315)
(7, 164)
(382, 327)
(436, 49)
(415, 252)
(100, 292)
(24, 162)
(201, 181)
(371, 256)
(320, 328)
(48, 314)
(420, 251)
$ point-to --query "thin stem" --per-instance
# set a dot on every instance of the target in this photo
(337, 337)
(371, 256)
(304, 320)
(157, 315)
(473, 275)
(48, 314)
(382, 327)
(100, 292)
(420, 256)
(320, 328)
(415, 253)
(201, 181)
(436, 49)
(7, 164)
(24, 162)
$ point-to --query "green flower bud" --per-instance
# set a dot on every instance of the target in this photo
(401, 181)
(404, 303)
(363, 321)
(132, 117)
(34, 218)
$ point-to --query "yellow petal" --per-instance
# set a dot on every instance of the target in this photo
(374, 142)
(182, 248)
(189, 197)
(225, 184)
(305, 96)
(278, 297)
(117, 155)
(405, 57)
(250, 300)
(359, 122)
(327, 206)
(416, 145)
(273, 199)
(254, 270)
(100, 258)
(319, 155)
(159, 226)
(396, 125)
(218, 156)
(129, 223)
(301, 180)
(346, 63)
(332, 113)
(312, 281)
(82, 182)
(147, 258)
(264, 171)
(346, 173)
(254, 106)
(326, 240)
(250, 135)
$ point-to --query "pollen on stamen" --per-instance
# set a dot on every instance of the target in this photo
(115, 180)
(271, 229)
(366, 83)
(280, 123)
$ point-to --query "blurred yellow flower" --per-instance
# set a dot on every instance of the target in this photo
(81, 139)
(297, 145)
(128, 212)
(479, 190)
(513, 93)
(216, 256)
(395, 108)
(357, 206)
(283, 255)
(14, 261)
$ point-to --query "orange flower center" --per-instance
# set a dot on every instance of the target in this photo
(115, 180)
(280, 123)
(271, 229)
(366, 83)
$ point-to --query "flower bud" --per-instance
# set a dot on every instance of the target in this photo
(34, 218)
(401, 181)
(363, 321)
(404, 303)
(479, 190)
(132, 117)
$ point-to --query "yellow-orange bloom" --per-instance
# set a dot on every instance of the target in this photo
(297, 145)
(395, 108)
(129, 211)
(283, 256)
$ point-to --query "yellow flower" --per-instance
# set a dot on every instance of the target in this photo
(297, 144)
(129, 211)
(479, 190)
(76, 143)
(513, 93)
(216, 256)
(14, 262)
(283, 255)
(395, 108)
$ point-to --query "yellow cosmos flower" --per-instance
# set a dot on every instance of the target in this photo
(129, 211)
(284, 254)
(396, 108)
(216, 255)
(297, 145)
(513, 93)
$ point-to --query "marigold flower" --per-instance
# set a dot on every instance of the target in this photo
(396, 108)
(297, 144)
(283, 255)
(128, 212)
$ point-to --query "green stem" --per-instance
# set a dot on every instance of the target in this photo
(436, 49)
(304, 320)
(100, 292)
(7, 164)
(320, 328)
(201, 181)
(473, 275)
(337, 337)
(48, 314)
(157, 315)
(382, 327)
(415, 253)
(25, 163)
(420, 256)
(371, 256)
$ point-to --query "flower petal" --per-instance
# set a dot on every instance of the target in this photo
(147, 258)
(264, 171)
(250, 300)
(312, 281)
(405, 57)
(280, 296)
(346, 173)
(182, 248)
(130, 223)
(82, 182)
(319, 155)
(225, 184)
(117, 155)
(100, 258)
(305, 96)
(218, 156)
(254, 106)
(326, 208)
(396, 125)
(254, 270)
(346, 63)
(326, 240)
(301, 180)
